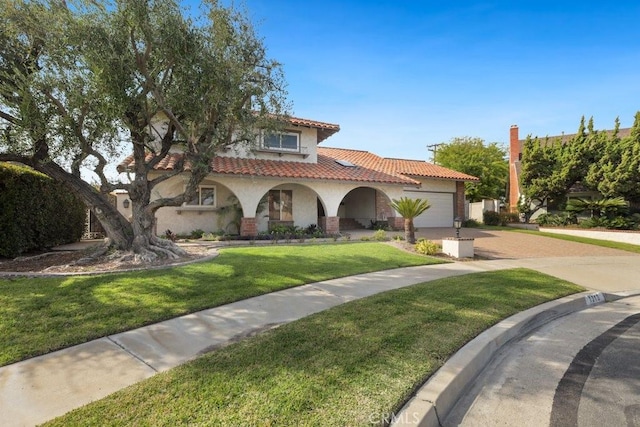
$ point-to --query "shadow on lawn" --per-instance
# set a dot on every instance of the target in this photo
(41, 315)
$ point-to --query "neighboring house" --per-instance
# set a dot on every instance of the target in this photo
(287, 179)
(516, 146)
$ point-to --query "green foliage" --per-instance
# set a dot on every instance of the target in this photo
(598, 160)
(37, 212)
(562, 219)
(610, 207)
(57, 312)
(427, 247)
(347, 366)
(487, 162)
(196, 234)
(509, 218)
(471, 223)
(491, 218)
(380, 236)
(213, 237)
(379, 225)
(81, 82)
(409, 209)
(613, 223)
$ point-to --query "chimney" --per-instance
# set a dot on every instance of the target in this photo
(514, 144)
(514, 156)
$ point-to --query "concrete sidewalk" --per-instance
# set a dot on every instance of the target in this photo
(39, 389)
(44, 387)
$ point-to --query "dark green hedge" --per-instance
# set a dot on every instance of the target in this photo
(36, 212)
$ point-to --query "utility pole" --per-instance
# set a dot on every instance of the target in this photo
(434, 149)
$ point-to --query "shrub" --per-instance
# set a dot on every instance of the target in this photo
(380, 236)
(196, 234)
(471, 223)
(561, 219)
(379, 225)
(217, 236)
(509, 218)
(427, 247)
(491, 218)
(37, 212)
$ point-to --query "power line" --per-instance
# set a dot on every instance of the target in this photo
(434, 149)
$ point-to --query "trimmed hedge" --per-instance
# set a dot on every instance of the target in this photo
(36, 212)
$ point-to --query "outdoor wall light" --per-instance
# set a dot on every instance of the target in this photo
(125, 203)
(457, 223)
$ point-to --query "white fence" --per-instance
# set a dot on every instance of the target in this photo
(476, 209)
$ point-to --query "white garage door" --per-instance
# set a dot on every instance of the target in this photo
(440, 214)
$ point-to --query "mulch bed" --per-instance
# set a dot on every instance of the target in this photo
(63, 262)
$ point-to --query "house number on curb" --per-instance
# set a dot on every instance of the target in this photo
(596, 298)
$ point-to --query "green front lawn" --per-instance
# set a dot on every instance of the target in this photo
(39, 315)
(351, 365)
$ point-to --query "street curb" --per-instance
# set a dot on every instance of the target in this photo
(434, 400)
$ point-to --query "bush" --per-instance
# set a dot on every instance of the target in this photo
(471, 223)
(509, 218)
(565, 218)
(196, 234)
(616, 223)
(380, 236)
(427, 247)
(491, 218)
(37, 212)
(379, 225)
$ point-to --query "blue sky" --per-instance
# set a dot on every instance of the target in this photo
(400, 75)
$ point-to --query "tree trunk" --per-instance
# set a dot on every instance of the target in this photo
(117, 228)
(409, 231)
(146, 244)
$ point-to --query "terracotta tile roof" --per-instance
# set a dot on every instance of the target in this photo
(325, 169)
(368, 167)
(397, 167)
(325, 130)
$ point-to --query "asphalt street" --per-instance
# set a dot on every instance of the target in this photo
(580, 370)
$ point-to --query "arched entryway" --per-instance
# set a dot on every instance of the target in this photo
(290, 205)
(365, 207)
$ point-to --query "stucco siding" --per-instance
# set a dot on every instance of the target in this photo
(308, 149)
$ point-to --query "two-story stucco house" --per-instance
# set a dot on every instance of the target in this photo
(288, 179)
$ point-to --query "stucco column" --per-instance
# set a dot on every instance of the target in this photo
(248, 226)
(332, 225)
(459, 207)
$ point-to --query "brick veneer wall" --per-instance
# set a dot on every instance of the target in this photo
(383, 210)
(248, 226)
(459, 207)
(514, 156)
(332, 224)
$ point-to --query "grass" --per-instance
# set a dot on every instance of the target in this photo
(39, 315)
(578, 239)
(354, 364)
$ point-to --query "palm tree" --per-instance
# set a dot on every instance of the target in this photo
(409, 209)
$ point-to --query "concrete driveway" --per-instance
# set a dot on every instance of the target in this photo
(491, 244)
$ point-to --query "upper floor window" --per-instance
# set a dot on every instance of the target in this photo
(281, 141)
(205, 196)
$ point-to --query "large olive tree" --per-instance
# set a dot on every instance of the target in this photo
(80, 83)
